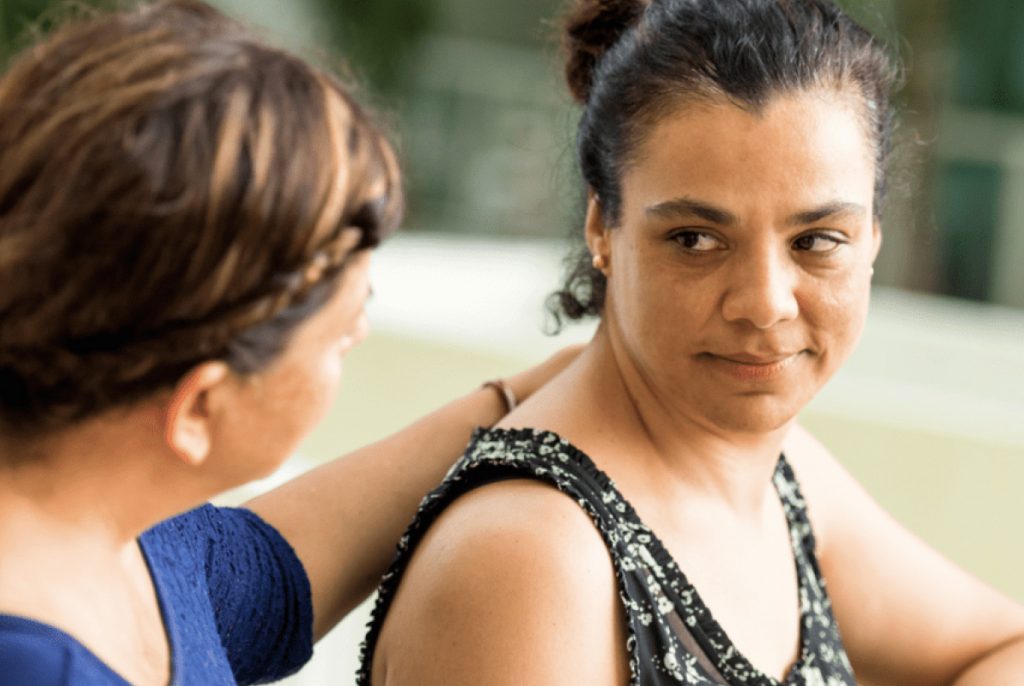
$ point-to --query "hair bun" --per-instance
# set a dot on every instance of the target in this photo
(592, 27)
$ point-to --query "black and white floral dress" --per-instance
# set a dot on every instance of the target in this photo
(672, 637)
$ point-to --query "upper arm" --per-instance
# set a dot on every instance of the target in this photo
(512, 585)
(259, 594)
(907, 614)
(345, 517)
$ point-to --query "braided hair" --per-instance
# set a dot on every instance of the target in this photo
(173, 190)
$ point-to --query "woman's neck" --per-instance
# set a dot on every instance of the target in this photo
(71, 509)
(630, 417)
(102, 483)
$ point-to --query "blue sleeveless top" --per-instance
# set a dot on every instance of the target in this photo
(234, 598)
(672, 638)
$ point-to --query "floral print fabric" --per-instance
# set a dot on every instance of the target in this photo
(672, 637)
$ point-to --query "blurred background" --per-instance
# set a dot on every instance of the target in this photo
(929, 413)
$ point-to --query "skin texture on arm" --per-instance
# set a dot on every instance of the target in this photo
(512, 585)
(907, 614)
(344, 518)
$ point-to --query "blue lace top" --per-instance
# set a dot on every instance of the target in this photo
(234, 597)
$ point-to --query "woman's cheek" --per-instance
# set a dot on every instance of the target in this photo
(330, 376)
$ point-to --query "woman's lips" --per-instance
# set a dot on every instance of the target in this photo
(747, 367)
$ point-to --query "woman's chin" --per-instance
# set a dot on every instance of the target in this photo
(754, 414)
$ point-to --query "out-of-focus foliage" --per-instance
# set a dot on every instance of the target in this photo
(378, 36)
(15, 15)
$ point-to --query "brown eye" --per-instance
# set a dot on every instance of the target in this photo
(697, 241)
(818, 242)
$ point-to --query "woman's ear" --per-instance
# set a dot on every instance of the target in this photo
(596, 234)
(876, 237)
(188, 423)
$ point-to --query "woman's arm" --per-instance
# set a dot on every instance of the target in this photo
(907, 614)
(1004, 665)
(344, 518)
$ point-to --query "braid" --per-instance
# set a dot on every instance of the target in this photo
(60, 383)
(145, 230)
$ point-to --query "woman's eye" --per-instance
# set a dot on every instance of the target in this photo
(818, 242)
(697, 241)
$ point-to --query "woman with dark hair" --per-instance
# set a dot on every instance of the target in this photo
(186, 221)
(734, 153)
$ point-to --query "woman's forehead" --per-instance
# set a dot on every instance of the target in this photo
(801, 150)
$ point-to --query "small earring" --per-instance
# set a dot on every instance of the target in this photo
(599, 262)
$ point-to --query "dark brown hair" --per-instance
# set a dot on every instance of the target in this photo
(630, 62)
(173, 190)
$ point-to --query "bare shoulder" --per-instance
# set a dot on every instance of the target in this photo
(808, 455)
(830, 490)
(839, 507)
(908, 614)
(511, 585)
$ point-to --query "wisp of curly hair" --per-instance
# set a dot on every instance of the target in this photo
(173, 190)
(630, 62)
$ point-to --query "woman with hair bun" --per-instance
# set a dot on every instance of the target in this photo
(186, 221)
(734, 154)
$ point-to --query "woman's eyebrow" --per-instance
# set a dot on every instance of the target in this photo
(688, 207)
(828, 210)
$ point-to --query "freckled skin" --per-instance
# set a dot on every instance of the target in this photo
(683, 289)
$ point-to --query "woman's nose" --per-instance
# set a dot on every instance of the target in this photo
(761, 291)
